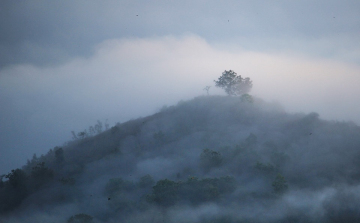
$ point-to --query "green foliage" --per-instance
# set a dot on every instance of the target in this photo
(93, 130)
(315, 165)
(14, 191)
(146, 181)
(233, 84)
(20, 185)
(115, 186)
(80, 218)
(40, 175)
(210, 158)
(118, 192)
(79, 135)
(31, 163)
(279, 158)
(226, 184)
(276, 155)
(165, 192)
(59, 155)
(247, 98)
(1, 181)
(83, 134)
(264, 168)
(279, 184)
(245, 152)
(114, 129)
(41, 172)
(195, 191)
(98, 127)
(17, 178)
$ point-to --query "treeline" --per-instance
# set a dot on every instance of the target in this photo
(91, 131)
(214, 151)
(127, 195)
(33, 177)
(21, 184)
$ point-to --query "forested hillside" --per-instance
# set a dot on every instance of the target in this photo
(211, 159)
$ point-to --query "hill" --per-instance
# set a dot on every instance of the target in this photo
(210, 159)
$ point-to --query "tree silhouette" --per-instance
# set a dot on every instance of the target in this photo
(207, 88)
(233, 84)
(279, 184)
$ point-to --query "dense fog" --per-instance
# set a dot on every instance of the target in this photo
(286, 153)
(209, 159)
(65, 64)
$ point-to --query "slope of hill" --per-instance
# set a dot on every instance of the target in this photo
(210, 159)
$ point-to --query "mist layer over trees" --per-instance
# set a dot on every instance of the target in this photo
(210, 159)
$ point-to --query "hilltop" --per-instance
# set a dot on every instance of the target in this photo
(210, 159)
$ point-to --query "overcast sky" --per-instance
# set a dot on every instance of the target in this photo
(65, 64)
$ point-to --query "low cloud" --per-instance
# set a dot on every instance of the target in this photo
(128, 78)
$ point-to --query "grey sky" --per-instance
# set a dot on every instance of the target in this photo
(65, 64)
(48, 32)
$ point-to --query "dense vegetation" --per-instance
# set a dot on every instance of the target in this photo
(211, 159)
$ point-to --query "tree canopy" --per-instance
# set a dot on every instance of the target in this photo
(233, 84)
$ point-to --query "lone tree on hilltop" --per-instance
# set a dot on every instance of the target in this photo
(233, 84)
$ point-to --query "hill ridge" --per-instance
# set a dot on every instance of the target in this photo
(217, 151)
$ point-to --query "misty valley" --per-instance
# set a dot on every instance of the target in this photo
(120, 111)
(210, 159)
